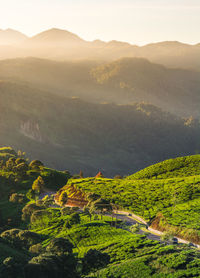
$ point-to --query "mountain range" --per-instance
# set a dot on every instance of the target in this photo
(123, 81)
(93, 106)
(63, 45)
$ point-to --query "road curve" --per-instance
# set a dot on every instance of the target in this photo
(132, 219)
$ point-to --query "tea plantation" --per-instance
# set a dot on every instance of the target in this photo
(40, 239)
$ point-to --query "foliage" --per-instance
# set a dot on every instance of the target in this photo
(38, 185)
(63, 198)
(94, 259)
(17, 198)
(172, 168)
(60, 246)
(36, 165)
(144, 197)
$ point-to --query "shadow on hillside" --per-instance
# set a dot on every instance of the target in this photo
(95, 224)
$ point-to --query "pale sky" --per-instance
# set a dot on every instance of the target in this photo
(134, 21)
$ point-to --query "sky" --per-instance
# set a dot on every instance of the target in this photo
(135, 21)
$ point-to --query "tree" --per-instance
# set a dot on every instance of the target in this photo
(48, 200)
(74, 218)
(81, 174)
(31, 194)
(28, 210)
(167, 236)
(63, 198)
(38, 185)
(20, 160)
(102, 206)
(10, 164)
(66, 211)
(91, 197)
(36, 165)
(94, 260)
(49, 265)
(17, 198)
(21, 154)
(135, 228)
(21, 169)
(86, 211)
(60, 246)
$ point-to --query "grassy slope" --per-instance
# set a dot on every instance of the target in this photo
(131, 255)
(170, 189)
(172, 168)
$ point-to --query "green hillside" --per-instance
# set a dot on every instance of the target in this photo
(95, 249)
(129, 255)
(39, 239)
(170, 200)
(172, 168)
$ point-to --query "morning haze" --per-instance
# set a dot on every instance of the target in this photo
(99, 139)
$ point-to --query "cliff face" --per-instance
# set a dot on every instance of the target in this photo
(31, 130)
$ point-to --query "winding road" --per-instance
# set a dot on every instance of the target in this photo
(131, 219)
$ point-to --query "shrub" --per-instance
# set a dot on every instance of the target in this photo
(74, 218)
(21, 238)
(17, 198)
(37, 248)
(60, 246)
(63, 198)
(36, 165)
(135, 228)
(66, 211)
(94, 260)
(28, 210)
(38, 185)
(40, 215)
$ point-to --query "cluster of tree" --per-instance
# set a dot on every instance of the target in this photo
(56, 260)
(20, 166)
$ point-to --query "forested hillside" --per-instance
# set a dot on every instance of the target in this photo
(77, 135)
(122, 82)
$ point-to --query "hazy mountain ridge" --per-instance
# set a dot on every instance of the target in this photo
(122, 82)
(88, 114)
(63, 45)
(74, 134)
(10, 37)
(55, 37)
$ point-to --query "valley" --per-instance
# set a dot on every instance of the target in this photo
(39, 238)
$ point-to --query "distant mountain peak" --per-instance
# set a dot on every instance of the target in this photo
(168, 44)
(10, 36)
(55, 35)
